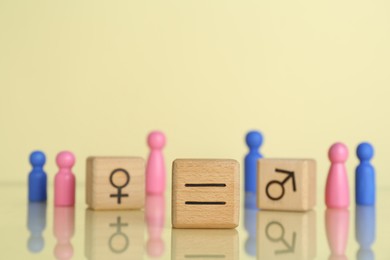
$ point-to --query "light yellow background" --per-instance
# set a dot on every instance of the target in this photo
(95, 77)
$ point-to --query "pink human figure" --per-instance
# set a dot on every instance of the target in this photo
(64, 182)
(337, 228)
(155, 167)
(63, 231)
(337, 187)
(155, 218)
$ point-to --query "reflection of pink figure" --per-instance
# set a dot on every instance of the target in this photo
(337, 227)
(155, 218)
(337, 187)
(63, 231)
(64, 182)
(155, 167)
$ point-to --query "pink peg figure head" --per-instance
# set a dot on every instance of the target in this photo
(337, 186)
(64, 183)
(65, 160)
(156, 140)
(338, 153)
(155, 167)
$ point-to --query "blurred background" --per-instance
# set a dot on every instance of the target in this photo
(95, 77)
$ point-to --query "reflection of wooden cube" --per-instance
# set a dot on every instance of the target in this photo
(204, 244)
(286, 184)
(115, 182)
(114, 234)
(286, 235)
(205, 193)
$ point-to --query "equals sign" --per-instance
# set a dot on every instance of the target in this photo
(205, 185)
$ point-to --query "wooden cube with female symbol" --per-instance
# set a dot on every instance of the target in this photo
(115, 183)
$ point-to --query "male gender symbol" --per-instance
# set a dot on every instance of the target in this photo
(290, 174)
(119, 195)
(119, 233)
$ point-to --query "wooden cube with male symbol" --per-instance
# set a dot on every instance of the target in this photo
(286, 184)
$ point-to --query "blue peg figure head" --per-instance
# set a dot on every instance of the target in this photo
(254, 140)
(37, 180)
(365, 176)
(365, 152)
(37, 159)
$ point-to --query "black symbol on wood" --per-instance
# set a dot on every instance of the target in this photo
(205, 185)
(290, 248)
(119, 195)
(118, 235)
(290, 174)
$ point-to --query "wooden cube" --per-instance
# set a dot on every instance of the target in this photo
(285, 184)
(205, 193)
(205, 244)
(286, 235)
(115, 183)
(117, 234)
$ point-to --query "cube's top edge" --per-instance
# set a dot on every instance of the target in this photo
(202, 161)
(287, 159)
(115, 158)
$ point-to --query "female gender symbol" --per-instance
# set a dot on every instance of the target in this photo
(119, 195)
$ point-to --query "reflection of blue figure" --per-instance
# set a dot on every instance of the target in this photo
(36, 223)
(250, 216)
(254, 140)
(365, 231)
(37, 180)
(365, 176)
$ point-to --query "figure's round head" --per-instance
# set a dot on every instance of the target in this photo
(156, 140)
(155, 247)
(365, 151)
(37, 158)
(254, 139)
(63, 251)
(338, 153)
(35, 244)
(65, 159)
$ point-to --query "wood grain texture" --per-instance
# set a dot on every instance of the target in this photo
(114, 234)
(286, 235)
(276, 186)
(205, 244)
(102, 194)
(205, 204)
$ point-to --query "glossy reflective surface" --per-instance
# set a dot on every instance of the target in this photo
(42, 231)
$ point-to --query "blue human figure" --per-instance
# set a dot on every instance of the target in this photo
(37, 179)
(365, 176)
(254, 140)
